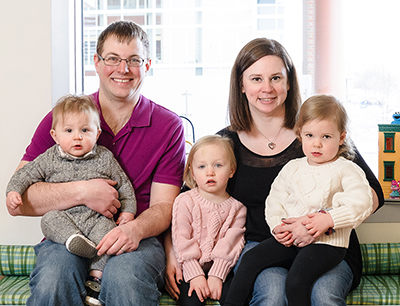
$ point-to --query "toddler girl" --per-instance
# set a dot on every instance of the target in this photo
(207, 223)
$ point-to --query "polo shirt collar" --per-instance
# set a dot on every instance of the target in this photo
(141, 113)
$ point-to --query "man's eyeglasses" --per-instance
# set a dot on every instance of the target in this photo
(134, 61)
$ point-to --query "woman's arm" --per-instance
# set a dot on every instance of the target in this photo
(377, 193)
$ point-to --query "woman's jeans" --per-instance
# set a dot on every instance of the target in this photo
(128, 279)
(330, 289)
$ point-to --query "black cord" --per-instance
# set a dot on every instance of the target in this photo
(183, 117)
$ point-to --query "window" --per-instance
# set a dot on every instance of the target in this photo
(194, 44)
(389, 171)
(389, 142)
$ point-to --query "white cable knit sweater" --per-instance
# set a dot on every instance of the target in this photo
(207, 236)
(300, 189)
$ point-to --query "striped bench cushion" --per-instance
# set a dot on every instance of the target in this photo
(380, 284)
(17, 259)
(14, 290)
(376, 290)
(373, 290)
(380, 258)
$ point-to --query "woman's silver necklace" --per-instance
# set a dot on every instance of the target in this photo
(272, 143)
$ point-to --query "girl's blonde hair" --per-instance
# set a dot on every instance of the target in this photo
(225, 143)
(326, 107)
(73, 104)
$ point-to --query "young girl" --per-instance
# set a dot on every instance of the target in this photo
(326, 187)
(207, 223)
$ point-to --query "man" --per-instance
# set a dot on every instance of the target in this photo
(148, 142)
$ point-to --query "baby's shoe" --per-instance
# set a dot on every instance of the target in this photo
(92, 286)
(80, 245)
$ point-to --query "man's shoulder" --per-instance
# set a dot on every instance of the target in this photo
(163, 117)
(159, 110)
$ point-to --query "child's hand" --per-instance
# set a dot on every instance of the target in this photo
(13, 200)
(318, 223)
(125, 217)
(199, 284)
(215, 286)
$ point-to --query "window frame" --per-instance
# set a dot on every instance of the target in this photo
(392, 137)
(386, 165)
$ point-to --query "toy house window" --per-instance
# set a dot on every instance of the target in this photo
(389, 142)
(389, 171)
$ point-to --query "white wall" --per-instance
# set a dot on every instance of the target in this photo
(26, 89)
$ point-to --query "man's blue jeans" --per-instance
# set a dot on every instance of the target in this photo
(330, 289)
(128, 279)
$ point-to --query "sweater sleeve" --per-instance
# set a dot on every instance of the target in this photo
(227, 250)
(126, 194)
(186, 246)
(275, 202)
(30, 173)
(352, 206)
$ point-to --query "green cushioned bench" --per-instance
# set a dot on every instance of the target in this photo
(380, 283)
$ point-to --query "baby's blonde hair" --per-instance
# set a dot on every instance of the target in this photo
(224, 142)
(326, 107)
(73, 104)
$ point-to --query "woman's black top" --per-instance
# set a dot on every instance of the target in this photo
(252, 182)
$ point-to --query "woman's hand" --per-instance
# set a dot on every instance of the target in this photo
(200, 286)
(283, 235)
(173, 273)
(172, 276)
(300, 234)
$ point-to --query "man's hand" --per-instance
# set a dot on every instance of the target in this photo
(101, 196)
(199, 284)
(121, 239)
(215, 286)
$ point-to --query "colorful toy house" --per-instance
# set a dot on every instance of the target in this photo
(389, 157)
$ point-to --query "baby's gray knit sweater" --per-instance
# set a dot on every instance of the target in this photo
(54, 166)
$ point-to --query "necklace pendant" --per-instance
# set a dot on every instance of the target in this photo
(272, 145)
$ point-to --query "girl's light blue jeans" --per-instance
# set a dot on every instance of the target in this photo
(129, 279)
(330, 289)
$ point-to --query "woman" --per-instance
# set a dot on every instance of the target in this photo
(263, 103)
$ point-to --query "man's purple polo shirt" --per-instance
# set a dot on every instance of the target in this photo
(150, 147)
